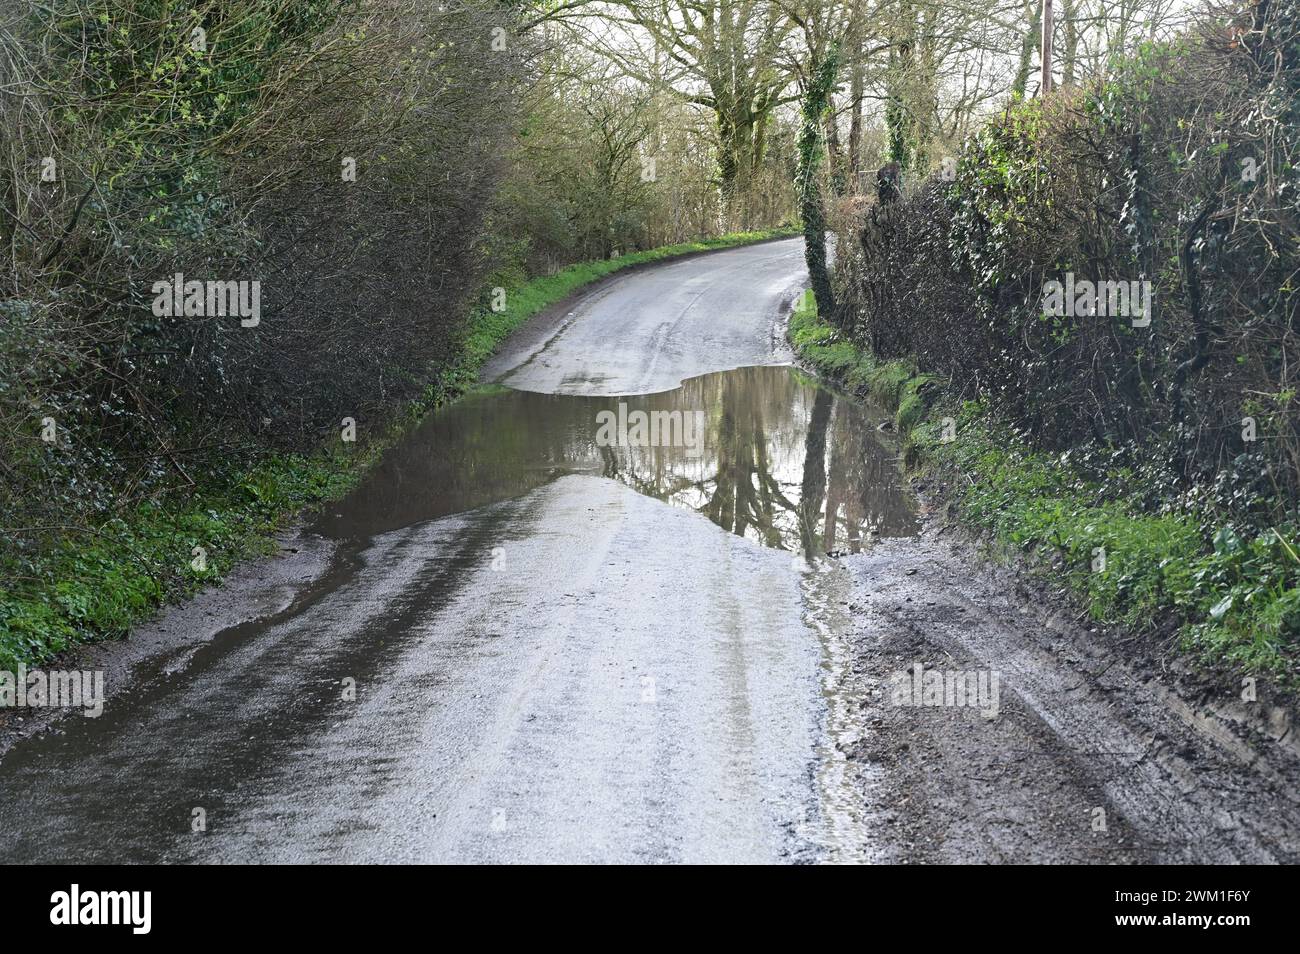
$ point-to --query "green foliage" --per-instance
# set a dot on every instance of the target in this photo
(1234, 600)
(893, 385)
(1089, 432)
(1174, 172)
(326, 153)
(819, 343)
(994, 196)
(1246, 594)
(98, 581)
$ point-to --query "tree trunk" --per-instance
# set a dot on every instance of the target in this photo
(1068, 8)
(1028, 45)
(898, 118)
(855, 124)
(740, 141)
(834, 156)
(820, 82)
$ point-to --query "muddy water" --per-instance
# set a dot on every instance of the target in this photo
(763, 452)
(485, 691)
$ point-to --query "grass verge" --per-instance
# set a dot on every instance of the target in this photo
(96, 580)
(1231, 598)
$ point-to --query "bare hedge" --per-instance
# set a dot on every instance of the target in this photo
(342, 156)
(1181, 170)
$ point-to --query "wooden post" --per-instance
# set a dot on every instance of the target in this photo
(1045, 84)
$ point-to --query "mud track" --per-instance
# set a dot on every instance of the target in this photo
(1082, 734)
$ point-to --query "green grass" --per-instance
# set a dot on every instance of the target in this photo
(98, 580)
(1233, 600)
(894, 385)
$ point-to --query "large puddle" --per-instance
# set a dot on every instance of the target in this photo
(253, 730)
(764, 452)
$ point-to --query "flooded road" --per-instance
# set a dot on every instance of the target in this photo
(544, 635)
(764, 453)
(642, 626)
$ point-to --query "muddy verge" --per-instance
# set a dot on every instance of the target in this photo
(259, 589)
(1094, 753)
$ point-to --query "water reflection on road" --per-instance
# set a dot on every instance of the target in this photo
(782, 461)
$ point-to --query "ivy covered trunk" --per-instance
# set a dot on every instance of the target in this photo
(815, 101)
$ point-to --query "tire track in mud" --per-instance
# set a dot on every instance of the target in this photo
(1080, 737)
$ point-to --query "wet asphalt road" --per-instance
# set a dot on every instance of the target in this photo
(576, 672)
(651, 330)
(541, 680)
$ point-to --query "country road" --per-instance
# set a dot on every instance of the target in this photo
(516, 642)
(652, 330)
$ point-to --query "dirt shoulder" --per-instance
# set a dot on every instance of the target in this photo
(1091, 758)
(254, 590)
(1108, 746)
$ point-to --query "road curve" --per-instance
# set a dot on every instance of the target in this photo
(650, 329)
(582, 673)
